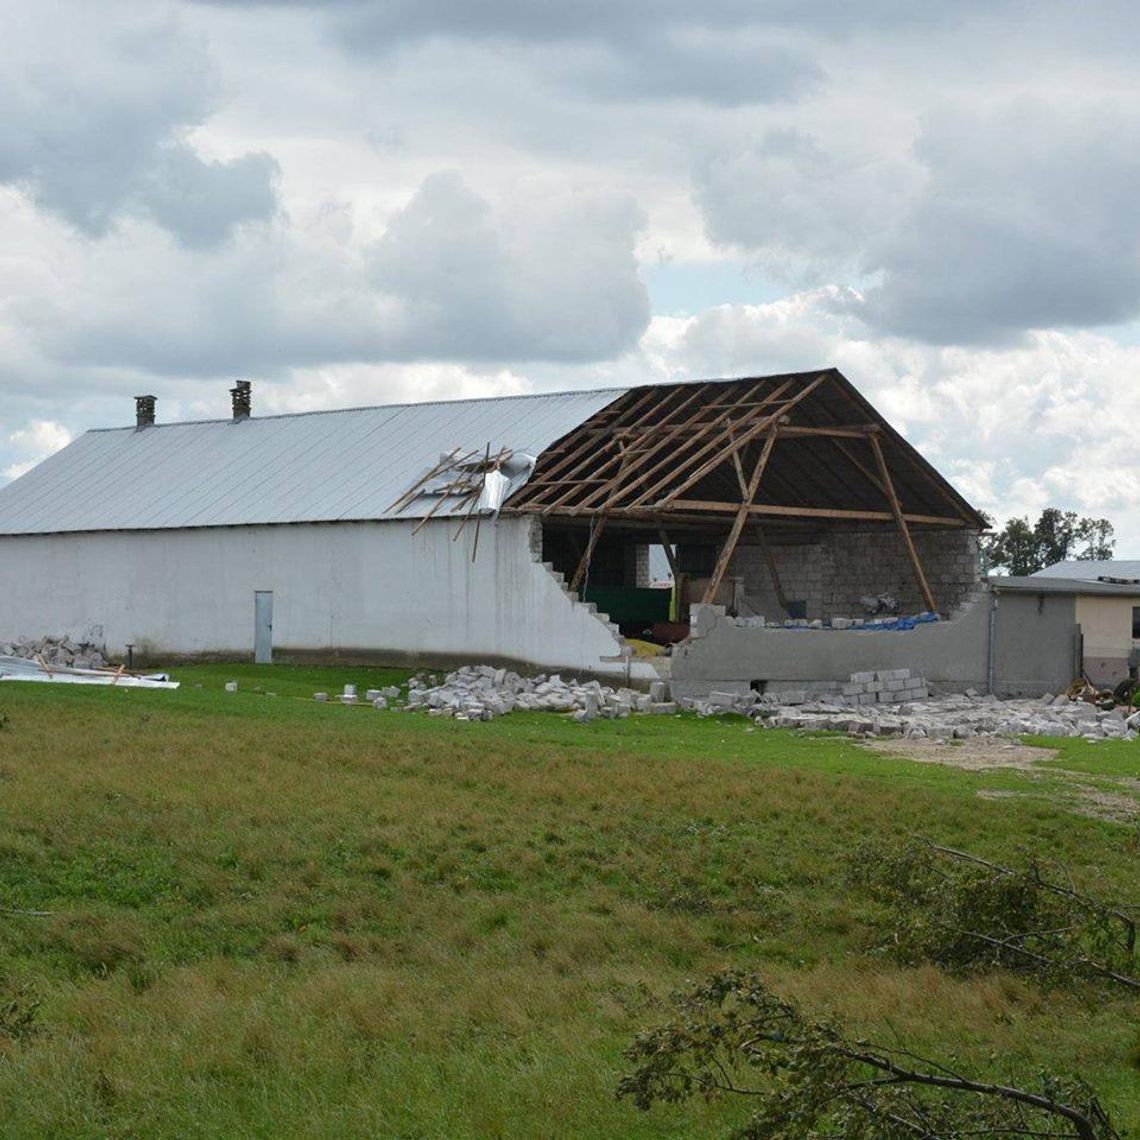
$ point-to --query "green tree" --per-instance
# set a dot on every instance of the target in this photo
(1021, 547)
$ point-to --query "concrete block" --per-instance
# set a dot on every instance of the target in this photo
(662, 708)
(793, 697)
(862, 678)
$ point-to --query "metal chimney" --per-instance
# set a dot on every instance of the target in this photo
(240, 395)
(144, 412)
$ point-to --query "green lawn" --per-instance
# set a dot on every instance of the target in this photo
(269, 917)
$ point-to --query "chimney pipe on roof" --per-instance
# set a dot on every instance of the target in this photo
(144, 412)
(240, 396)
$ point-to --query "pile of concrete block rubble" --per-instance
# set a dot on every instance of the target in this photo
(890, 702)
(60, 651)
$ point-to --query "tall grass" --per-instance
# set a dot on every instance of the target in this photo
(270, 917)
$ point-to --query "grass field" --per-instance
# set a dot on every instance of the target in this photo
(267, 917)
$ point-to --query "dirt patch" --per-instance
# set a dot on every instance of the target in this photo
(975, 755)
(987, 753)
(1101, 804)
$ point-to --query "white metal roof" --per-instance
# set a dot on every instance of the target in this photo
(347, 465)
(1090, 571)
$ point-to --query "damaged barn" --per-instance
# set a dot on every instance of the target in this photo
(517, 530)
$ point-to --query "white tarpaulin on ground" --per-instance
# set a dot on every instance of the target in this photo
(21, 669)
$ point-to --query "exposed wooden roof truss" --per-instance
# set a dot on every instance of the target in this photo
(800, 447)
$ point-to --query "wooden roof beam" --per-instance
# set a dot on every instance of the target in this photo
(904, 530)
(836, 514)
(670, 461)
(572, 484)
(741, 518)
(745, 437)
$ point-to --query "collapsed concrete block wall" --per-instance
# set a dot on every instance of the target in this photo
(348, 590)
(832, 571)
(1028, 647)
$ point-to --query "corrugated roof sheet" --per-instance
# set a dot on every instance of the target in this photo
(1090, 571)
(346, 465)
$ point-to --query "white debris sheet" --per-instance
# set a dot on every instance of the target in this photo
(21, 669)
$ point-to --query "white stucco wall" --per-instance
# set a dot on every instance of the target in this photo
(366, 587)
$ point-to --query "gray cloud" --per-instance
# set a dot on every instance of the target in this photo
(792, 197)
(96, 106)
(638, 49)
(1028, 220)
(201, 202)
(685, 64)
(550, 280)
(545, 276)
(1013, 218)
(370, 24)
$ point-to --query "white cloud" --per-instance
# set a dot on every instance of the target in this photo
(97, 103)
(34, 443)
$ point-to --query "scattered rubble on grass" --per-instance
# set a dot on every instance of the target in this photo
(894, 703)
(886, 703)
(56, 651)
(482, 692)
(60, 660)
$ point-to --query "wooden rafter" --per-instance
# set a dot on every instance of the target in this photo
(741, 518)
(680, 455)
(775, 510)
(675, 459)
(745, 437)
(584, 451)
(680, 459)
(904, 530)
(643, 450)
(927, 472)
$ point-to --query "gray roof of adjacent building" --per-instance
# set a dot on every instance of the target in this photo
(1035, 584)
(1126, 569)
(333, 466)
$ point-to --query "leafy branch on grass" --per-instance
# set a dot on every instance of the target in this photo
(961, 912)
(19, 1008)
(735, 1037)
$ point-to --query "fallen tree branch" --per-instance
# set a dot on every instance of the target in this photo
(735, 1036)
(964, 912)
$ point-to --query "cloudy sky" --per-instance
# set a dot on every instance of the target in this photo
(363, 201)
